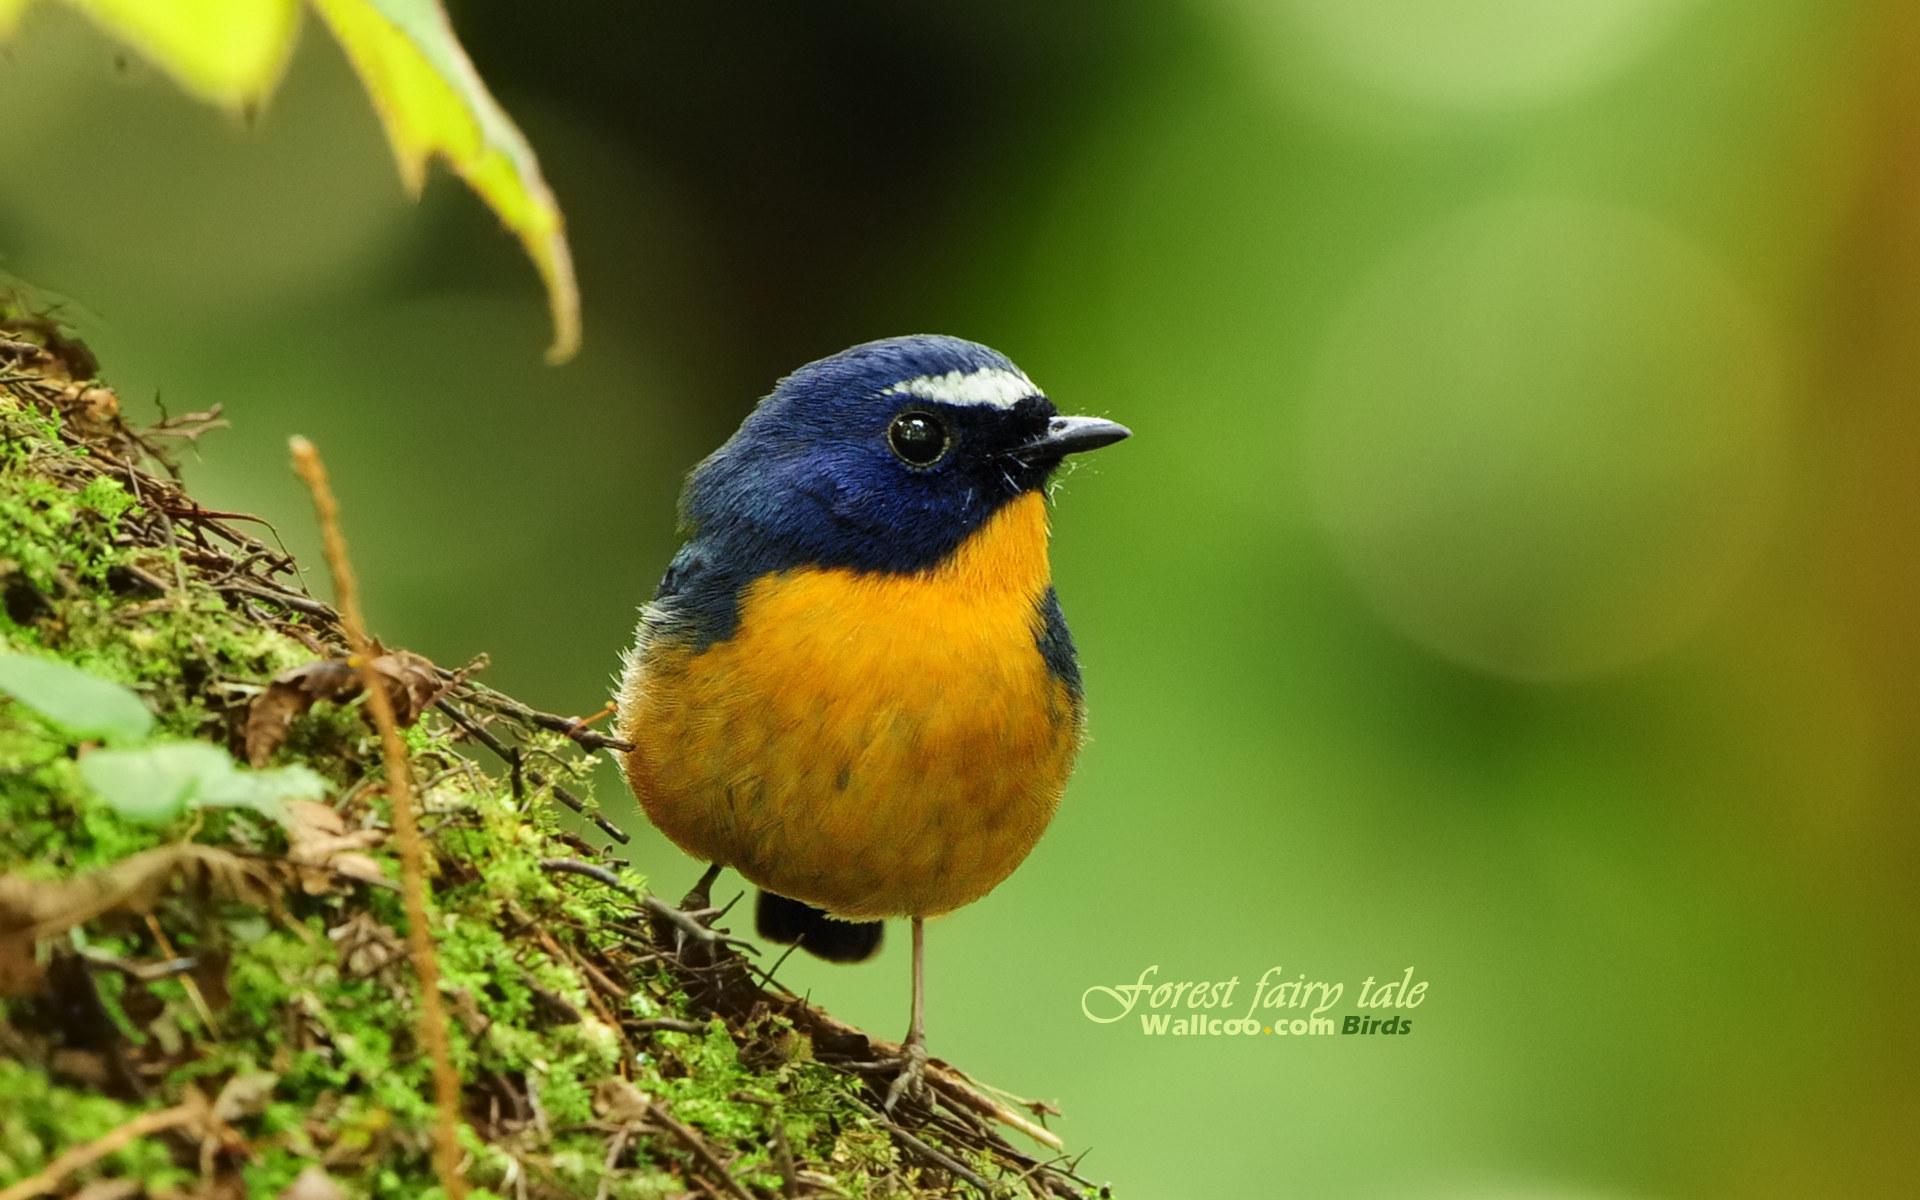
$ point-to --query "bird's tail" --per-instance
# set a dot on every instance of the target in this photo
(793, 922)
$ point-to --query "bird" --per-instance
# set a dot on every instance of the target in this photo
(854, 684)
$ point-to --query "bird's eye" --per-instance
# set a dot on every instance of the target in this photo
(918, 438)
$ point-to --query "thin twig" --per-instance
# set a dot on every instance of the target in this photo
(953, 1086)
(665, 1025)
(701, 1151)
(285, 599)
(194, 994)
(930, 1154)
(406, 827)
(145, 1125)
(782, 1149)
(694, 929)
(480, 734)
(573, 866)
(610, 1166)
(572, 727)
(684, 922)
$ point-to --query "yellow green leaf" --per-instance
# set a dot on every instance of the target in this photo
(10, 11)
(231, 52)
(431, 100)
(433, 103)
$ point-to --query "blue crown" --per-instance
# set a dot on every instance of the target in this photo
(869, 369)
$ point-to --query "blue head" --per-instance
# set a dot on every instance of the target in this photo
(883, 457)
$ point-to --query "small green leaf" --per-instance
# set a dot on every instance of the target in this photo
(155, 784)
(82, 705)
(266, 792)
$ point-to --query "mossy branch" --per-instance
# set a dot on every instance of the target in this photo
(592, 1060)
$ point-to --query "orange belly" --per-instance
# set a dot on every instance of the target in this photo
(877, 745)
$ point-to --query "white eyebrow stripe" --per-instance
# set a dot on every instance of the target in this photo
(993, 386)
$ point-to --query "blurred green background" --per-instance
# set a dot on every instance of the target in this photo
(1514, 575)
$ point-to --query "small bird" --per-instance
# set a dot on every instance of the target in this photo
(854, 685)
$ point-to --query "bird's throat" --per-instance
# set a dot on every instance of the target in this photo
(1007, 555)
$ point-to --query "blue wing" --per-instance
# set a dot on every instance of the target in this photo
(1056, 644)
(698, 600)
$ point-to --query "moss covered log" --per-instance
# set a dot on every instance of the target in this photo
(239, 1019)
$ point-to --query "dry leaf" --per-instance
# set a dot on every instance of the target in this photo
(366, 945)
(244, 1095)
(618, 1102)
(20, 972)
(313, 1184)
(412, 683)
(322, 850)
(33, 909)
(211, 968)
(467, 1010)
(87, 1068)
(308, 820)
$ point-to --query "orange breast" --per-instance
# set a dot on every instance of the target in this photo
(878, 745)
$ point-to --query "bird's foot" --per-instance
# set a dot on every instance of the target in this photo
(693, 931)
(911, 1079)
(692, 924)
(699, 900)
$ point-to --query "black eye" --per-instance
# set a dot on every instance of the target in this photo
(918, 438)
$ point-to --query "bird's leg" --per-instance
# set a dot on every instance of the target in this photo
(699, 900)
(698, 906)
(913, 1051)
(692, 923)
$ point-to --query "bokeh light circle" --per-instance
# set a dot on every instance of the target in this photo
(1546, 439)
(1464, 55)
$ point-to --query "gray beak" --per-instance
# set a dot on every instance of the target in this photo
(1071, 435)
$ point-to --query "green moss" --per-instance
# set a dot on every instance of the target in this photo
(43, 1119)
(108, 498)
